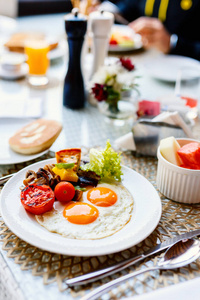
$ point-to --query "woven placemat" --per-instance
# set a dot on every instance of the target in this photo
(176, 219)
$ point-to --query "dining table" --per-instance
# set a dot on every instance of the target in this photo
(29, 272)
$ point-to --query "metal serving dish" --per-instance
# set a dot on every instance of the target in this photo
(147, 135)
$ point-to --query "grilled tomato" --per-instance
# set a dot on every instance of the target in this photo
(37, 199)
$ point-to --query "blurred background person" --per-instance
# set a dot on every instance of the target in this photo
(171, 26)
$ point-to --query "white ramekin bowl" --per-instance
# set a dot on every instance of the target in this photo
(176, 183)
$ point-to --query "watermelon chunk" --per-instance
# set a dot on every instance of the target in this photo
(191, 166)
(190, 155)
(191, 102)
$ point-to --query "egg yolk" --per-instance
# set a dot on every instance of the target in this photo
(80, 213)
(102, 196)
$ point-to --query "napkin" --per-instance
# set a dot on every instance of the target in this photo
(21, 108)
(126, 142)
(173, 118)
(183, 291)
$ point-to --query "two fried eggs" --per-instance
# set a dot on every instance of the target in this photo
(102, 211)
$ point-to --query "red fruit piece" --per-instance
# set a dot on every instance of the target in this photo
(190, 155)
(191, 102)
(192, 167)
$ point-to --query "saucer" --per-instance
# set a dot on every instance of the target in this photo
(12, 61)
(14, 75)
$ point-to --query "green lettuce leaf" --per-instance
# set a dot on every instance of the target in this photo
(105, 163)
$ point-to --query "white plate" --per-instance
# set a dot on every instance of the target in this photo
(7, 128)
(146, 215)
(165, 67)
(123, 29)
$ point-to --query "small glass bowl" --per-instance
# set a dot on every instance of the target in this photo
(177, 183)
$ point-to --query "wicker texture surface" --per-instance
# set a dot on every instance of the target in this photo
(53, 268)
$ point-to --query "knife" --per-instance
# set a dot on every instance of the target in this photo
(4, 179)
(93, 276)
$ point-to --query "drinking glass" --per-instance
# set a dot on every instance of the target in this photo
(187, 88)
(38, 62)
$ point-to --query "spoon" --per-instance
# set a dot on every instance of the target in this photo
(178, 255)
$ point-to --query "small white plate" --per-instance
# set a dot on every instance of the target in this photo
(125, 30)
(146, 215)
(16, 158)
(14, 74)
(166, 67)
(59, 51)
(7, 128)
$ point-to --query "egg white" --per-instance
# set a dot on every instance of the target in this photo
(110, 220)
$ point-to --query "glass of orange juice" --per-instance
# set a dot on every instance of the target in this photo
(38, 62)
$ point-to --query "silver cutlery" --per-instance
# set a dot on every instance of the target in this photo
(93, 276)
(178, 255)
(4, 179)
(111, 7)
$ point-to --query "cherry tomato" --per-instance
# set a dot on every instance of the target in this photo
(64, 191)
(37, 199)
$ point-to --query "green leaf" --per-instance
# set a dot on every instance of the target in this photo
(64, 165)
(77, 187)
(105, 163)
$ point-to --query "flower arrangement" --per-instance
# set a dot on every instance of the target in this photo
(110, 81)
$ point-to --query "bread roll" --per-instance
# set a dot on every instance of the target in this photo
(35, 137)
(17, 41)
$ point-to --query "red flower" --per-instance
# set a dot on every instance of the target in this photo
(127, 63)
(140, 113)
(99, 92)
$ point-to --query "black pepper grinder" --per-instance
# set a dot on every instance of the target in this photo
(74, 95)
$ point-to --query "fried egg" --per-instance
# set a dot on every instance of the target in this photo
(102, 211)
